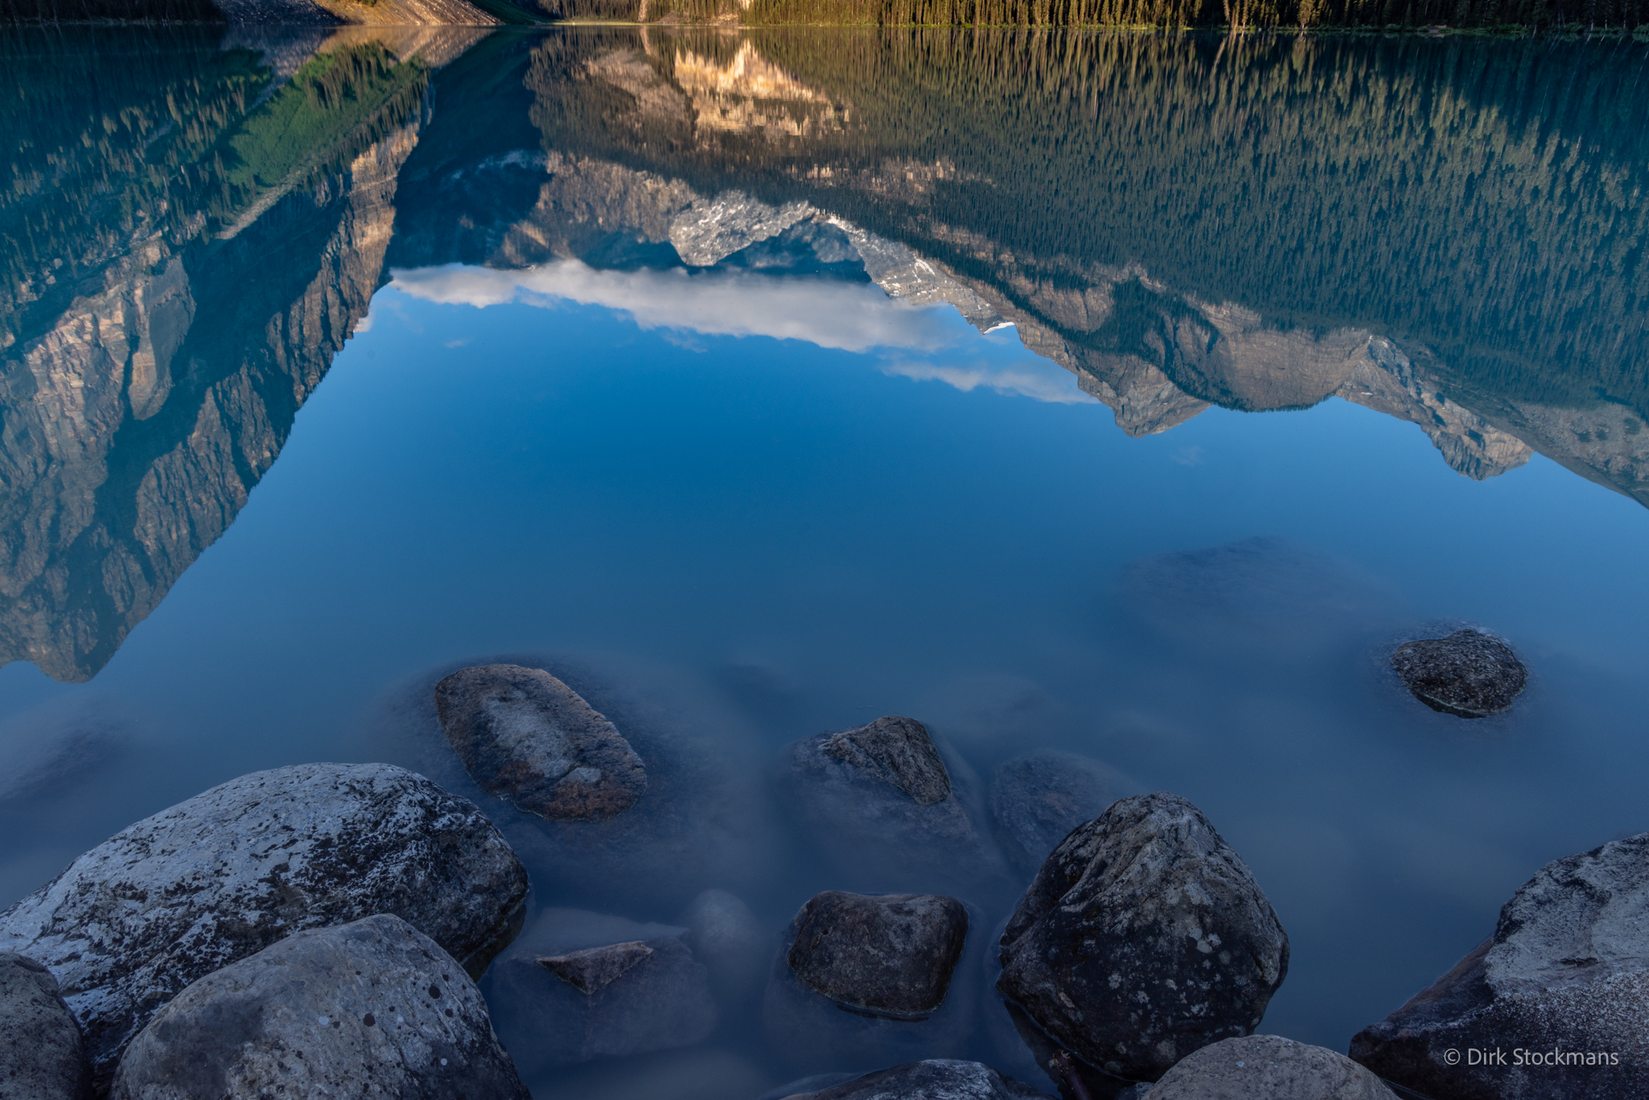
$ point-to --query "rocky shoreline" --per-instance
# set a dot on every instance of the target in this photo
(318, 929)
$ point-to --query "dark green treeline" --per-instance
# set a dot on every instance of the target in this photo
(1488, 200)
(1244, 14)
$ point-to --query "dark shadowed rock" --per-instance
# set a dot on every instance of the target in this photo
(227, 873)
(1470, 673)
(372, 1009)
(1143, 938)
(1567, 970)
(1271, 1067)
(1036, 801)
(890, 955)
(934, 1079)
(881, 802)
(581, 986)
(527, 737)
(899, 752)
(41, 1054)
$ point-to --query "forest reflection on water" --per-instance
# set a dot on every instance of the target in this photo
(663, 245)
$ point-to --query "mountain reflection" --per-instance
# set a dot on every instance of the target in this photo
(192, 230)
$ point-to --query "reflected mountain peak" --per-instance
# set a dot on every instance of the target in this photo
(193, 237)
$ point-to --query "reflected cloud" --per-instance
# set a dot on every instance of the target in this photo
(826, 313)
(1016, 379)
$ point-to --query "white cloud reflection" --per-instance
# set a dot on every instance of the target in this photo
(828, 313)
(918, 342)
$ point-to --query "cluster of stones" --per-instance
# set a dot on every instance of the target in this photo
(314, 930)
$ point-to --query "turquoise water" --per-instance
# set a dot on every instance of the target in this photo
(758, 385)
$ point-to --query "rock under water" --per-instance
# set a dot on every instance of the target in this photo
(881, 802)
(934, 1079)
(223, 875)
(583, 986)
(889, 955)
(1143, 938)
(1036, 800)
(1470, 673)
(529, 738)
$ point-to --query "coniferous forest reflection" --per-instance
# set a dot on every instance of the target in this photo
(1182, 222)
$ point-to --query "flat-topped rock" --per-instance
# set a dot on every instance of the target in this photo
(1268, 1067)
(41, 1053)
(1566, 970)
(889, 955)
(221, 876)
(373, 1009)
(529, 738)
(1143, 938)
(1470, 673)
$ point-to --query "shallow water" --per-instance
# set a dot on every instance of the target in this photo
(754, 384)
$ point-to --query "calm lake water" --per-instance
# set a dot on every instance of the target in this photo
(1126, 395)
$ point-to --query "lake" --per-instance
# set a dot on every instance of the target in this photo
(1127, 395)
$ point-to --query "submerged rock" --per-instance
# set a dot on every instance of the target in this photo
(581, 986)
(728, 939)
(896, 750)
(934, 1079)
(1143, 938)
(891, 955)
(1564, 980)
(1036, 801)
(1265, 599)
(881, 801)
(41, 1053)
(369, 1009)
(1470, 673)
(527, 737)
(225, 874)
(1271, 1067)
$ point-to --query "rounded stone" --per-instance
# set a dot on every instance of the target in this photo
(1268, 1066)
(1143, 938)
(41, 1053)
(225, 874)
(529, 738)
(1470, 673)
(373, 1010)
(889, 955)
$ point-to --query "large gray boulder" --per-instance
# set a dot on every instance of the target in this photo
(373, 1009)
(1143, 938)
(889, 955)
(1271, 1067)
(529, 738)
(225, 874)
(1037, 799)
(41, 1053)
(1470, 673)
(1561, 991)
(881, 802)
(934, 1079)
(584, 986)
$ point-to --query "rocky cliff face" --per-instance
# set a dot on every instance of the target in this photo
(137, 422)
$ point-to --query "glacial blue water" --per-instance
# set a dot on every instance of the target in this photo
(779, 493)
